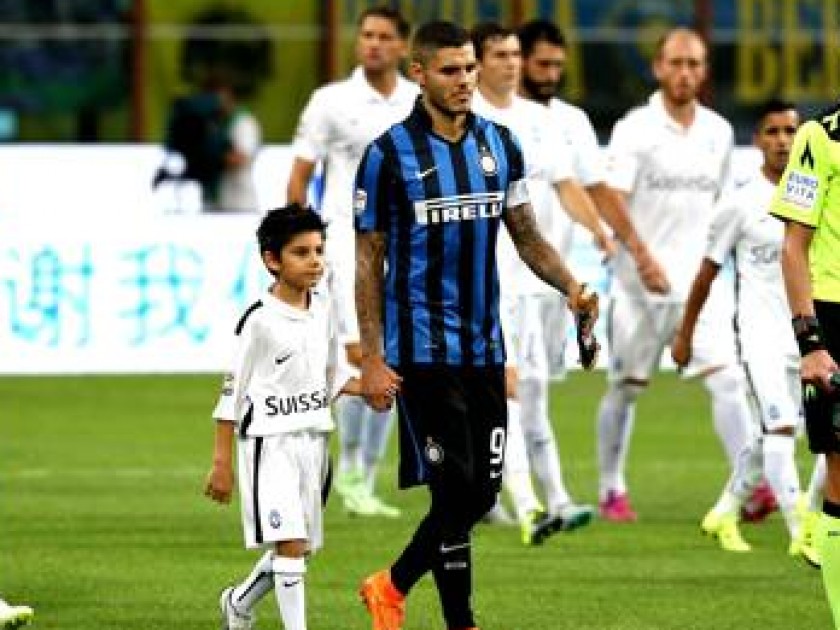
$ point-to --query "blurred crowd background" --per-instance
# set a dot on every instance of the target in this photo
(108, 70)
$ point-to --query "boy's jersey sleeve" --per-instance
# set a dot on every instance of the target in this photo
(233, 400)
(801, 192)
(372, 197)
(725, 230)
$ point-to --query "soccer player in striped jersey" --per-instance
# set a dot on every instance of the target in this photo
(336, 125)
(288, 366)
(431, 195)
(743, 229)
(549, 175)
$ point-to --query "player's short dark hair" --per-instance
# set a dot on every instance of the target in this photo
(281, 225)
(432, 36)
(396, 18)
(771, 106)
(484, 31)
(535, 31)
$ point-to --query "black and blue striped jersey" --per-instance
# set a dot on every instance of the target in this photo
(440, 204)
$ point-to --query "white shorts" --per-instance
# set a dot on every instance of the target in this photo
(522, 326)
(637, 332)
(713, 345)
(281, 478)
(556, 323)
(776, 390)
(341, 279)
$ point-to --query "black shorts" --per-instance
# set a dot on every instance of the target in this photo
(452, 425)
(822, 410)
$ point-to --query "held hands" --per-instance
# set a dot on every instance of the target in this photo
(380, 384)
(219, 484)
(584, 304)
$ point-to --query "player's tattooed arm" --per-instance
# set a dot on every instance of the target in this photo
(537, 252)
(379, 383)
(370, 261)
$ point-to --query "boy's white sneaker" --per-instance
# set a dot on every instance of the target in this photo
(232, 619)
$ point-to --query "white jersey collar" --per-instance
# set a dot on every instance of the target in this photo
(657, 103)
(403, 90)
(288, 311)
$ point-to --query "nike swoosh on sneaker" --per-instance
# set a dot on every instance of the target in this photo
(451, 548)
(282, 360)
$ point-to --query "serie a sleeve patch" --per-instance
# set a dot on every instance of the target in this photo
(801, 190)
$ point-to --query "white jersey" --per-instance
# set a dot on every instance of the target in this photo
(336, 126)
(580, 143)
(674, 176)
(744, 228)
(545, 165)
(287, 368)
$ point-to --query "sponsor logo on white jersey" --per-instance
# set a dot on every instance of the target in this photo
(295, 404)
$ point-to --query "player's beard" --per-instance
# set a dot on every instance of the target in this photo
(440, 106)
(540, 91)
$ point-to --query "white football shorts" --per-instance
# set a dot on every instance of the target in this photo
(637, 332)
(522, 326)
(281, 479)
(776, 390)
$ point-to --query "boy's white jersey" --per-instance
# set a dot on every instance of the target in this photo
(674, 176)
(288, 366)
(337, 124)
(546, 163)
(743, 227)
(580, 143)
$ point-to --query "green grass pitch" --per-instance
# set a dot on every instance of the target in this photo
(103, 524)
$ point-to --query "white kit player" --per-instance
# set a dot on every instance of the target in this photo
(543, 66)
(743, 229)
(549, 176)
(339, 121)
(671, 159)
(288, 365)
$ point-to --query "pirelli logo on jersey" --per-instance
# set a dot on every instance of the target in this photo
(801, 190)
(459, 208)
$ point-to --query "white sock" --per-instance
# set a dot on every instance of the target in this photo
(816, 484)
(745, 475)
(542, 447)
(349, 411)
(615, 426)
(261, 580)
(731, 413)
(289, 591)
(376, 427)
(517, 475)
(780, 471)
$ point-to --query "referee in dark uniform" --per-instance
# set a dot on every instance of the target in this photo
(430, 196)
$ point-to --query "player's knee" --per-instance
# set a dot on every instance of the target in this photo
(727, 381)
(627, 391)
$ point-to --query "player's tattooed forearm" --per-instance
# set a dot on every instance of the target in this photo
(537, 253)
(370, 259)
